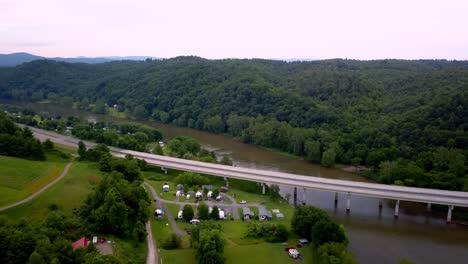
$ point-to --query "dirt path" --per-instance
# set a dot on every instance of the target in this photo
(32, 196)
(162, 204)
(152, 253)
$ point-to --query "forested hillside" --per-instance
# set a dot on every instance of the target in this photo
(406, 119)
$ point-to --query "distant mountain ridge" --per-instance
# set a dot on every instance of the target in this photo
(13, 59)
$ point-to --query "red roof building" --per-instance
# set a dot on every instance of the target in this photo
(82, 242)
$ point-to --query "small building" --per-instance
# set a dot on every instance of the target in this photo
(280, 216)
(223, 189)
(247, 214)
(161, 144)
(209, 194)
(264, 214)
(95, 239)
(166, 187)
(82, 242)
(180, 215)
(303, 241)
(180, 187)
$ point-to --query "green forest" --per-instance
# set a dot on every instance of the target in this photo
(406, 120)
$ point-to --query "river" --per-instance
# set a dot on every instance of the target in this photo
(375, 235)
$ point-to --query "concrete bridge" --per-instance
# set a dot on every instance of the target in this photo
(398, 193)
(403, 193)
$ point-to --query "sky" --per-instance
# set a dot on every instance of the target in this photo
(354, 29)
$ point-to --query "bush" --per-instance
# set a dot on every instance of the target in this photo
(326, 231)
(187, 213)
(331, 253)
(272, 233)
(171, 242)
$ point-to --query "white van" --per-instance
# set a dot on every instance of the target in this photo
(180, 215)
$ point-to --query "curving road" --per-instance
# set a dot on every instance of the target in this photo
(32, 196)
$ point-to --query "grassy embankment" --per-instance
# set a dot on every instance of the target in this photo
(19, 178)
(239, 248)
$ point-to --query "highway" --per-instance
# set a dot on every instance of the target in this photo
(423, 195)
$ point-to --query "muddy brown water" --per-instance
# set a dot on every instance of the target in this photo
(375, 235)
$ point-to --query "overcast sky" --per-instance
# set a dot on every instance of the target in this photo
(358, 29)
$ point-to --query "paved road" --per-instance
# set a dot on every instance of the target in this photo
(64, 173)
(152, 254)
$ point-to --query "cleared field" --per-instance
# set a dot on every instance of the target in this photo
(67, 194)
(19, 178)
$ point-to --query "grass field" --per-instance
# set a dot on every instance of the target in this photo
(19, 178)
(67, 194)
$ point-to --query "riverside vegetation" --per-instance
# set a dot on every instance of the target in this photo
(406, 120)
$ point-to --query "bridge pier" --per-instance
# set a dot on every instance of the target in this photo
(380, 205)
(449, 214)
(226, 179)
(336, 200)
(263, 188)
(295, 197)
(428, 208)
(348, 202)
(397, 208)
(304, 196)
(164, 169)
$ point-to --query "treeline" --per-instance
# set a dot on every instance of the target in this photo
(372, 113)
(19, 142)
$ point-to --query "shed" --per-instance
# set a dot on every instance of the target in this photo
(280, 216)
(247, 213)
(82, 242)
(264, 214)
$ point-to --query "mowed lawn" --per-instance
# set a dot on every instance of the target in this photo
(67, 194)
(19, 178)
